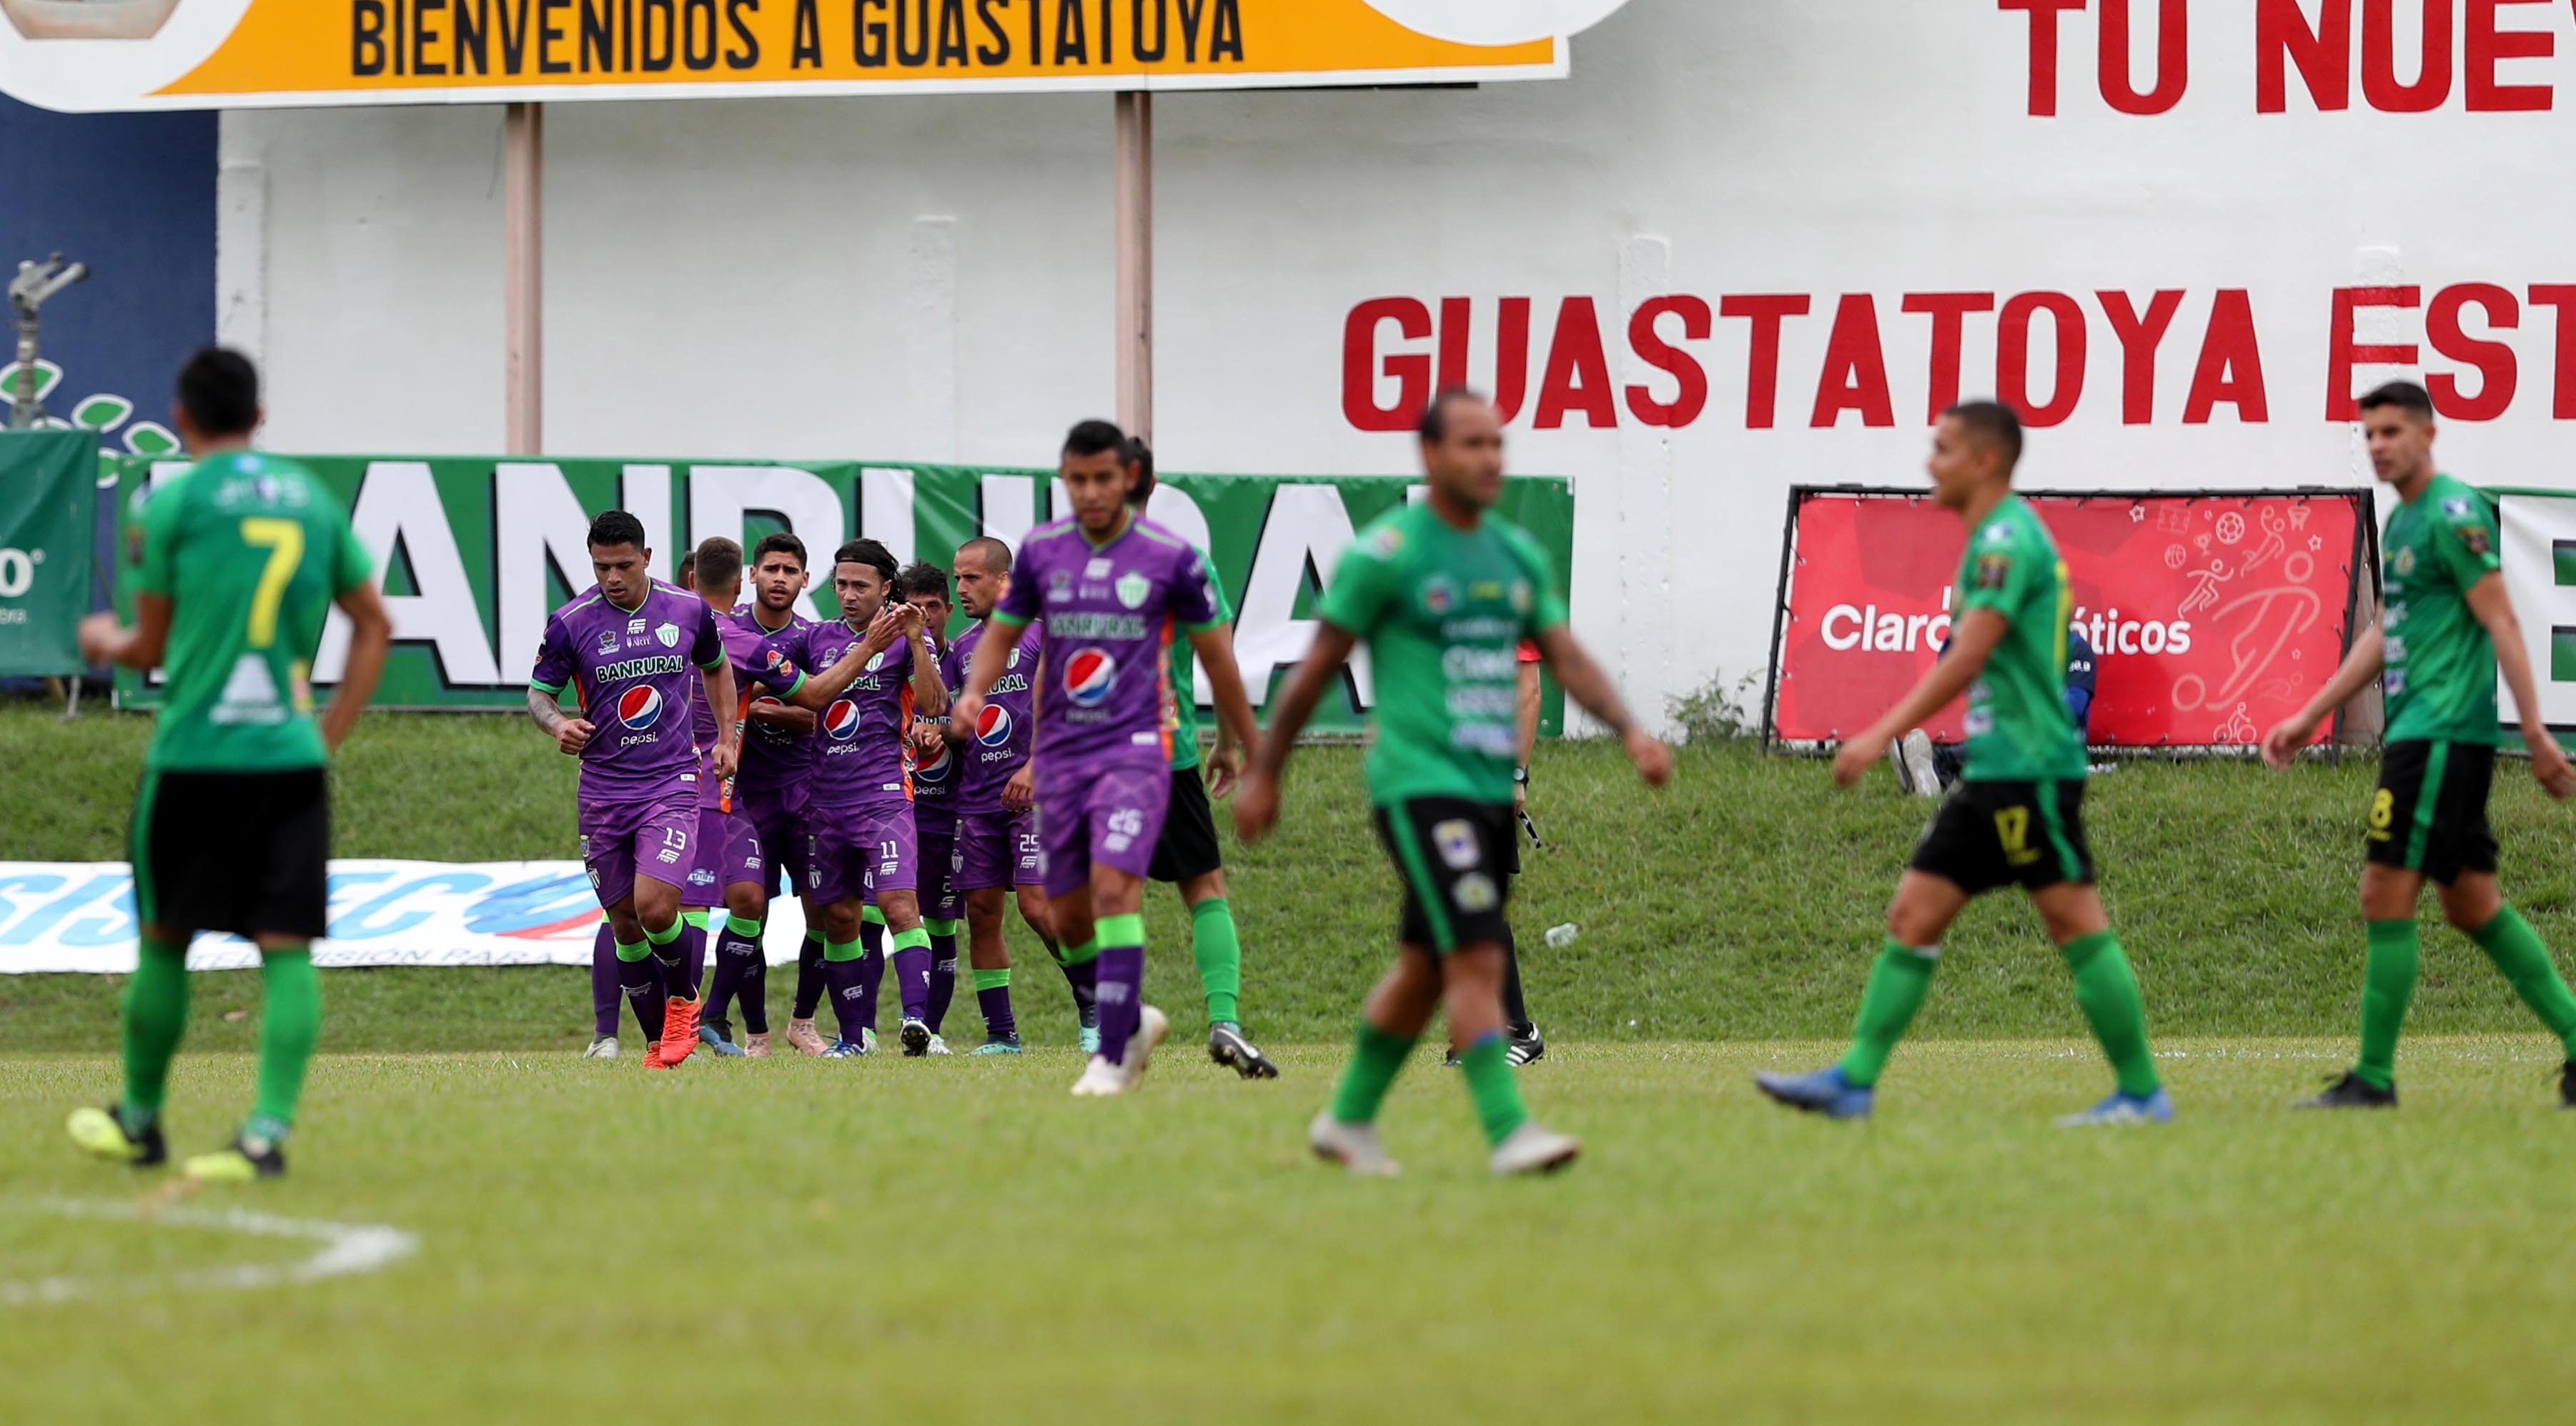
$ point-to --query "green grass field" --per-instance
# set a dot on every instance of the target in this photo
(952, 1237)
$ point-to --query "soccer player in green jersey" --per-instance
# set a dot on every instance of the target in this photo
(1443, 592)
(239, 559)
(1187, 855)
(2446, 627)
(2016, 815)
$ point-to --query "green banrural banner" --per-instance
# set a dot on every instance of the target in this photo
(48, 519)
(478, 550)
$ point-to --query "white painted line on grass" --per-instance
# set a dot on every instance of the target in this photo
(347, 1250)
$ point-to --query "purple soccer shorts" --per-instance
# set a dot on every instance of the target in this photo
(997, 849)
(861, 851)
(1112, 817)
(649, 836)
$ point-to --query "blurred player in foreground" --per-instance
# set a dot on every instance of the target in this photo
(1443, 592)
(2446, 627)
(1114, 590)
(240, 560)
(1187, 856)
(2017, 815)
(629, 649)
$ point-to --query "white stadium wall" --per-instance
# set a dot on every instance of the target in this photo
(2142, 213)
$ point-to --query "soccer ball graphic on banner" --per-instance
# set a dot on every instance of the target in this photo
(88, 19)
(1496, 22)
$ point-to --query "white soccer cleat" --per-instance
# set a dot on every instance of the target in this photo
(1531, 1149)
(603, 1048)
(939, 1046)
(1100, 1079)
(1104, 1076)
(1914, 754)
(1353, 1146)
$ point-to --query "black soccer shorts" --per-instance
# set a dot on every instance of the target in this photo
(1451, 854)
(1991, 834)
(2430, 813)
(1189, 848)
(244, 852)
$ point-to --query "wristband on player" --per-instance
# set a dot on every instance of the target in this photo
(1520, 775)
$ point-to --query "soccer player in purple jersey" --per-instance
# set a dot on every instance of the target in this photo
(997, 837)
(1114, 590)
(866, 673)
(625, 648)
(935, 769)
(732, 853)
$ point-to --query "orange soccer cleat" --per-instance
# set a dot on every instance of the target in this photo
(679, 1031)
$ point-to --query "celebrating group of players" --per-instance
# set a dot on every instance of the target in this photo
(899, 781)
(891, 775)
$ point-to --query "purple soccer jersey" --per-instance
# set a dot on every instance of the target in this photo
(775, 762)
(1110, 616)
(1004, 732)
(633, 671)
(862, 758)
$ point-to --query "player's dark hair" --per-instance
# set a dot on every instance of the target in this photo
(1090, 438)
(867, 552)
(1434, 426)
(687, 573)
(995, 554)
(2406, 396)
(1994, 421)
(219, 389)
(923, 577)
(1140, 457)
(719, 562)
(780, 543)
(616, 527)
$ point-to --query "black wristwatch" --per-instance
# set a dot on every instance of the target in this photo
(1520, 775)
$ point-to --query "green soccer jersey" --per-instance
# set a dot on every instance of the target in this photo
(1185, 692)
(250, 550)
(2440, 678)
(1444, 612)
(2018, 727)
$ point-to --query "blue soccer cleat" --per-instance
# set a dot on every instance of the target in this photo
(846, 1050)
(2156, 1108)
(715, 1041)
(1825, 1092)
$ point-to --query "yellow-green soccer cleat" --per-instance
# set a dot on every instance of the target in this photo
(101, 1134)
(246, 1160)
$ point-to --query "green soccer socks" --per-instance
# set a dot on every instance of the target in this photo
(1376, 1058)
(2388, 984)
(289, 1023)
(2517, 951)
(1218, 948)
(2107, 990)
(1897, 985)
(156, 1017)
(1496, 1090)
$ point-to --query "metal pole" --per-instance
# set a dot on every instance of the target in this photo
(523, 217)
(1136, 263)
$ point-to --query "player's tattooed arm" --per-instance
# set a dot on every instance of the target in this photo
(2369, 655)
(1237, 733)
(1972, 641)
(1256, 803)
(1587, 685)
(2494, 610)
(570, 734)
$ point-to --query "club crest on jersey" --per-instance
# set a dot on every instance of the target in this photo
(608, 643)
(1132, 589)
(1060, 584)
(2473, 538)
(841, 720)
(1439, 595)
(1015, 656)
(2405, 561)
(876, 661)
(1089, 676)
(993, 726)
(640, 708)
(669, 634)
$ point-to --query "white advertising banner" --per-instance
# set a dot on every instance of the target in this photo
(2539, 529)
(79, 916)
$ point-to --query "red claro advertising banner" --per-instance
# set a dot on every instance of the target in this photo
(2212, 616)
